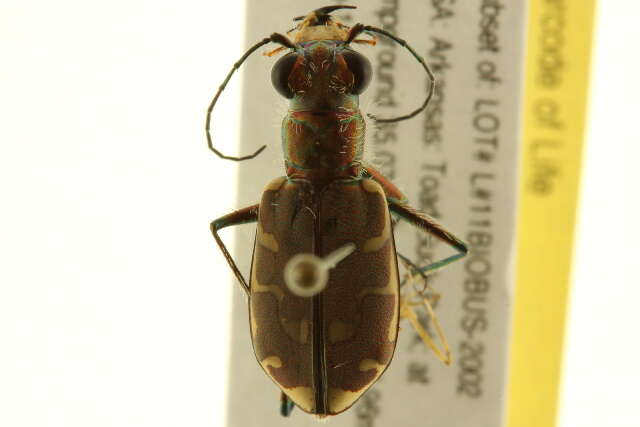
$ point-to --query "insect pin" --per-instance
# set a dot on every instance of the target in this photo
(324, 288)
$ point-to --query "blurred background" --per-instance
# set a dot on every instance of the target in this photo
(114, 300)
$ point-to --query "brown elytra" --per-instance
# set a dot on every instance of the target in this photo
(324, 352)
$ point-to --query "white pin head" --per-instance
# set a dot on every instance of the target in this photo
(306, 275)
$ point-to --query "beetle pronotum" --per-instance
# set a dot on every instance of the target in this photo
(324, 290)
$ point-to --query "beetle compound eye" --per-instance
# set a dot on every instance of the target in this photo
(280, 74)
(306, 275)
(361, 69)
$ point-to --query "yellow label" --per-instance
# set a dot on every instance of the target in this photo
(557, 72)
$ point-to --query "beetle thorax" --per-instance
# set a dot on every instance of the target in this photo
(323, 146)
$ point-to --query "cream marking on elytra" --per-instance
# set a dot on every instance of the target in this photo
(368, 364)
(340, 331)
(254, 323)
(257, 287)
(376, 243)
(267, 240)
(297, 329)
(302, 396)
(272, 361)
(340, 399)
(304, 330)
(275, 184)
(390, 289)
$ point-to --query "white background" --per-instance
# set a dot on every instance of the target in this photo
(113, 296)
(602, 358)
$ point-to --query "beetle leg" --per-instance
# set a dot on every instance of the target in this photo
(243, 216)
(286, 405)
(431, 226)
(392, 193)
(398, 205)
(407, 311)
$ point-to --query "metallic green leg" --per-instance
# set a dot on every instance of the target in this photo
(286, 405)
(431, 226)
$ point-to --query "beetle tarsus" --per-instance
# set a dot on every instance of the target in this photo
(286, 405)
(407, 312)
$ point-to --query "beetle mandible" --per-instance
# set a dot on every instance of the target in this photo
(324, 290)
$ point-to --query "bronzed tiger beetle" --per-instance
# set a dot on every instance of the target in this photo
(324, 289)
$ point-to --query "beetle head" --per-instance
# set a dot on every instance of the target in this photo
(321, 63)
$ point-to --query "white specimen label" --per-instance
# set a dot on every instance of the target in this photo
(457, 161)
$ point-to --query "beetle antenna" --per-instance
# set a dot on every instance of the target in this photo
(359, 28)
(273, 38)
